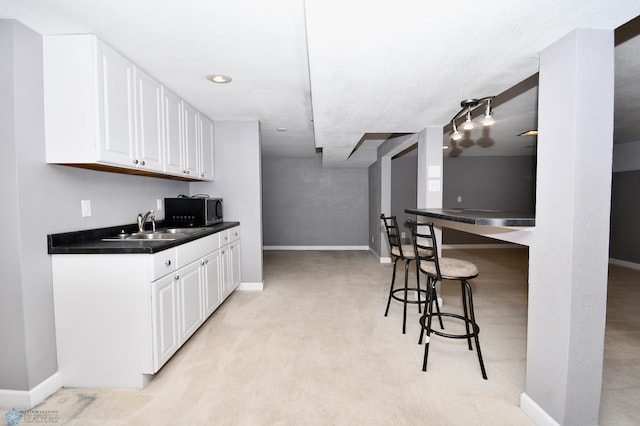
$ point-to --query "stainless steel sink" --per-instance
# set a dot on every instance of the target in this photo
(180, 230)
(154, 236)
(166, 234)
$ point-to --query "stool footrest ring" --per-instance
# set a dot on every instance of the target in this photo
(475, 327)
(422, 291)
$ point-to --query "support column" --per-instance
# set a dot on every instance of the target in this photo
(569, 255)
(430, 168)
(430, 175)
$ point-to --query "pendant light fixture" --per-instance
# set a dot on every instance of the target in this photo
(469, 105)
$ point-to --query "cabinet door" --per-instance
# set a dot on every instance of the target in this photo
(234, 265)
(190, 299)
(212, 282)
(173, 136)
(206, 157)
(115, 76)
(191, 141)
(149, 143)
(164, 298)
(225, 275)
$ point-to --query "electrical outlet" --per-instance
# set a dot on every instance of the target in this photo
(459, 198)
(402, 234)
(158, 204)
(86, 208)
(372, 238)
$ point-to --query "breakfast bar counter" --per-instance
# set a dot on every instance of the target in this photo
(507, 226)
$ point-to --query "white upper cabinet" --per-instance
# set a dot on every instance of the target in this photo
(206, 153)
(116, 107)
(149, 137)
(103, 112)
(173, 133)
(192, 140)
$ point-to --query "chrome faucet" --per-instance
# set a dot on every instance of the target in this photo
(142, 219)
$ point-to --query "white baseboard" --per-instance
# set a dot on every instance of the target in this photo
(624, 263)
(315, 247)
(385, 260)
(251, 286)
(535, 412)
(26, 400)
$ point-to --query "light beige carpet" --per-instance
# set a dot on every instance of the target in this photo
(315, 349)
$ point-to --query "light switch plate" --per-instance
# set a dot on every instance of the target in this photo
(158, 204)
(86, 208)
(434, 185)
(434, 171)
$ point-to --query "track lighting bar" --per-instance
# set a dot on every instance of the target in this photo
(469, 105)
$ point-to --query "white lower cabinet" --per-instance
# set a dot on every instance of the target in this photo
(212, 268)
(165, 320)
(230, 260)
(121, 325)
(190, 299)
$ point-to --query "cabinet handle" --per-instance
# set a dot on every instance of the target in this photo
(142, 162)
(177, 277)
(168, 262)
(187, 171)
(184, 171)
(202, 263)
(135, 161)
(206, 261)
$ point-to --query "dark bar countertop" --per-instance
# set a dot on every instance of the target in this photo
(479, 217)
(90, 241)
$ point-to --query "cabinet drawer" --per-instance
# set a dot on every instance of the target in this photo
(194, 250)
(234, 234)
(164, 263)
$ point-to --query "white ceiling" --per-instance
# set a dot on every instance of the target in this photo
(333, 73)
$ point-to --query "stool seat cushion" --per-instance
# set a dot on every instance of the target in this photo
(450, 268)
(409, 253)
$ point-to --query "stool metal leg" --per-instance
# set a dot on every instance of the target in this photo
(463, 288)
(476, 330)
(406, 295)
(432, 298)
(418, 285)
(428, 314)
(393, 279)
(435, 300)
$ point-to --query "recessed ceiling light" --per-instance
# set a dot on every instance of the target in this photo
(445, 147)
(219, 78)
(281, 129)
(529, 133)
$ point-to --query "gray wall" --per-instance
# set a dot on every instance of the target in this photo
(625, 215)
(305, 204)
(404, 190)
(238, 180)
(493, 183)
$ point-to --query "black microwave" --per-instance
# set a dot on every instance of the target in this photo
(192, 211)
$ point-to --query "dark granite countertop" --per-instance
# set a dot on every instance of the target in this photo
(479, 217)
(90, 241)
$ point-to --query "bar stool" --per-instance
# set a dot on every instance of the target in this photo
(440, 270)
(404, 252)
